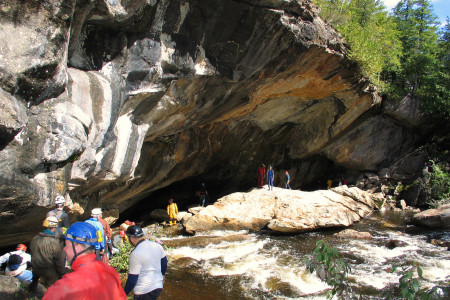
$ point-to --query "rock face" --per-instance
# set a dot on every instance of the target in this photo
(284, 210)
(106, 102)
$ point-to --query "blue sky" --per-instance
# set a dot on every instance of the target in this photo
(441, 8)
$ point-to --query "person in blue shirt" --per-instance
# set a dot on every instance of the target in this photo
(270, 177)
(99, 247)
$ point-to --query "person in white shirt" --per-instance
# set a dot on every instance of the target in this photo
(17, 262)
(148, 265)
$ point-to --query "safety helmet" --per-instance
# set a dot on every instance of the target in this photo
(134, 231)
(21, 247)
(60, 200)
(83, 233)
(50, 222)
(96, 212)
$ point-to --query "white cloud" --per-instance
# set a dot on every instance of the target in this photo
(390, 3)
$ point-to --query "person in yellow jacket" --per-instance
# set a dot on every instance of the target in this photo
(172, 211)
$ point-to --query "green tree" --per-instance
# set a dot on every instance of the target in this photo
(418, 34)
(436, 95)
(370, 32)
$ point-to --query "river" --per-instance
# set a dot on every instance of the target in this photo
(267, 266)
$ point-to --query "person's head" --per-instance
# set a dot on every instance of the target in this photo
(15, 265)
(59, 202)
(21, 247)
(135, 234)
(203, 184)
(270, 167)
(96, 213)
(50, 222)
(170, 200)
(287, 172)
(80, 239)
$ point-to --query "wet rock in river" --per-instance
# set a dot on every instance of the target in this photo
(391, 244)
(353, 234)
(434, 218)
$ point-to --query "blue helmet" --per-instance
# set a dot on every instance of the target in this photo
(83, 233)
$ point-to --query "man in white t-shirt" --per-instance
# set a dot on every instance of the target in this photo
(148, 264)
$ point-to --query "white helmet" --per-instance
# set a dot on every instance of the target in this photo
(96, 212)
(60, 200)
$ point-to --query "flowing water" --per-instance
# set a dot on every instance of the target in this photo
(266, 266)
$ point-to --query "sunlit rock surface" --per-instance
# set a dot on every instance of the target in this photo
(284, 210)
(434, 218)
(106, 102)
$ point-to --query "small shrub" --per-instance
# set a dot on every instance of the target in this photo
(120, 261)
(409, 284)
(440, 187)
(331, 268)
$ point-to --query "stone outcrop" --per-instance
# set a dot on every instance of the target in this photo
(13, 289)
(284, 210)
(106, 102)
(434, 218)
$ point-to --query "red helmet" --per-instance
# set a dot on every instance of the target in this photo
(21, 247)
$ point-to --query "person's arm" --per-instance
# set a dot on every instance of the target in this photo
(164, 265)
(108, 232)
(4, 258)
(59, 260)
(65, 220)
(131, 283)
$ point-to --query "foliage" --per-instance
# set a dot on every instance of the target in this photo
(371, 33)
(410, 286)
(120, 261)
(440, 186)
(402, 53)
(418, 34)
(330, 268)
(437, 88)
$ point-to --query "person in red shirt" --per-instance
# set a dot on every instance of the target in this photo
(90, 279)
(261, 171)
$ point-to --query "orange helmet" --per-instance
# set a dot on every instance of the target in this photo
(122, 233)
(21, 247)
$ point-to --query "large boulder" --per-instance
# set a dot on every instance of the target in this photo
(284, 210)
(434, 218)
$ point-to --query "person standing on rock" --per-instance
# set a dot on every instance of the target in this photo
(48, 257)
(202, 195)
(329, 183)
(148, 265)
(261, 172)
(90, 279)
(270, 178)
(100, 246)
(287, 180)
(172, 211)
